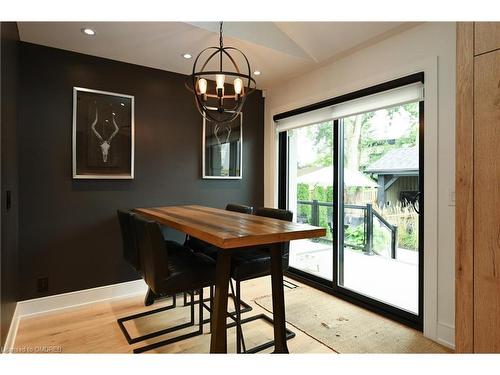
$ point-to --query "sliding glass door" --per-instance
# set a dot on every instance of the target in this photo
(310, 195)
(355, 169)
(379, 170)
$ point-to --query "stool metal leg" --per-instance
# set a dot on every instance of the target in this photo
(201, 311)
(211, 305)
(288, 334)
(238, 314)
(130, 340)
(191, 294)
(236, 302)
(245, 305)
(181, 326)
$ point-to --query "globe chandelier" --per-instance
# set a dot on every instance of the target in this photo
(215, 99)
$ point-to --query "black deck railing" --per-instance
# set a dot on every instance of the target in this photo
(368, 214)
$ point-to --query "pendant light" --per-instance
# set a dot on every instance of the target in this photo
(220, 92)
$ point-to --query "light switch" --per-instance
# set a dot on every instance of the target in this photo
(451, 200)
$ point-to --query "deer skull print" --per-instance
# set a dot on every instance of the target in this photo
(219, 131)
(105, 144)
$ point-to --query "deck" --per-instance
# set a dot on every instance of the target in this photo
(393, 281)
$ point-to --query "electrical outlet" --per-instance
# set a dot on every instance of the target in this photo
(42, 284)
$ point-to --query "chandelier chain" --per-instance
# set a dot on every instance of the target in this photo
(221, 41)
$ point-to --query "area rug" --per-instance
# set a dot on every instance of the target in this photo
(346, 328)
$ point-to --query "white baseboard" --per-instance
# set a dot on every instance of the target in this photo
(80, 297)
(11, 335)
(446, 335)
(69, 300)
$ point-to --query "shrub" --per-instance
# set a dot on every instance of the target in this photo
(406, 219)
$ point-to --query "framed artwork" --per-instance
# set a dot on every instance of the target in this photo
(103, 135)
(222, 149)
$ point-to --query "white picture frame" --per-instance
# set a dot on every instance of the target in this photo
(235, 159)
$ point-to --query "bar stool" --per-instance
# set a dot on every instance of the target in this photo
(198, 245)
(252, 264)
(131, 252)
(167, 268)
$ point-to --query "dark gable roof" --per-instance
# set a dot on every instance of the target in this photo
(401, 160)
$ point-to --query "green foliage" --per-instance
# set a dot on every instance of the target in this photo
(407, 234)
(408, 240)
(304, 210)
(306, 192)
(322, 136)
(354, 236)
(303, 192)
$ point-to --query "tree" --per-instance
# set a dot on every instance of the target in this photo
(352, 138)
(322, 136)
(361, 147)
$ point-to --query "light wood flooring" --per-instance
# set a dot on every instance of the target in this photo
(93, 328)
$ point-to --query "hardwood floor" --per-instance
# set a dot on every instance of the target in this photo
(93, 328)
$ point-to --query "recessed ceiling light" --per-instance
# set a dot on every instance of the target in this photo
(257, 73)
(187, 55)
(88, 31)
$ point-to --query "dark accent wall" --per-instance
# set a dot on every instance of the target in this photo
(9, 177)
(68, 228)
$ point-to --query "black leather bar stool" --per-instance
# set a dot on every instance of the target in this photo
(252, 264)
(208, 249)
(131, 256)
(170, 268)
(131, 251)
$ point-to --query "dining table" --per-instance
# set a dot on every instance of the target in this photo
(233, 232)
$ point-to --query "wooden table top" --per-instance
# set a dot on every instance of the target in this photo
(227, 229)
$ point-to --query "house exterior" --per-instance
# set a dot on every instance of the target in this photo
(397, 175)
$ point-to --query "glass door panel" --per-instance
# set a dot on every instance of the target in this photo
(310, 196)
(378, 251)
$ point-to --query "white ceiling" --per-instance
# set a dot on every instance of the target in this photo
(280, 50)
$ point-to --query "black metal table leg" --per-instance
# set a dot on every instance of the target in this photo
(280, 345)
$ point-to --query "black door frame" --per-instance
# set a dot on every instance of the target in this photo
(332, 287)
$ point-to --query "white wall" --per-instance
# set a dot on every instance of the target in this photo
(424, 45)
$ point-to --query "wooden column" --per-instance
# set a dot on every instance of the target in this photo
(487, 202)
(464, 219)
(477, 261)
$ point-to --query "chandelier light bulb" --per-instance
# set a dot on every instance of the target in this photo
(202, 85)
(219, 79)
(238, 86)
